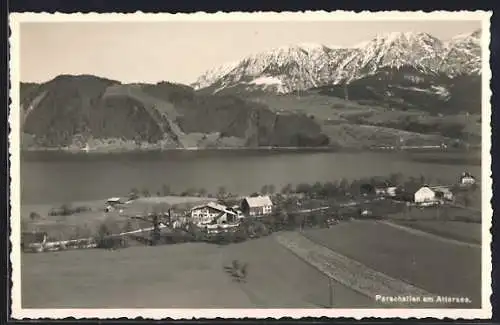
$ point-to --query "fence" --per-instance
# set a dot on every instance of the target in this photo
(81, 243)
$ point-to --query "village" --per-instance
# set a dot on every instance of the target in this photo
(228, 218)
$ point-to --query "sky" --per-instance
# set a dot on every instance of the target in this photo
(180, 51)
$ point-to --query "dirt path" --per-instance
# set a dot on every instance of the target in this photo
(418, 232)
(347, 271)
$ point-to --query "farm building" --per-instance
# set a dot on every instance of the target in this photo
(380, 188)
(114, 200)
(207, 213)
(112, 203)
(225, 218)
(425, 195)
(257, 206)
(467, 179)
(434, 194)
(29, 238)
(237, 210)
(386, 191)
(443, 192)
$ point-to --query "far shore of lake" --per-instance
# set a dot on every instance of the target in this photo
(101, 151)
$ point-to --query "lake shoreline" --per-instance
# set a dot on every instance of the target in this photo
(245, 149)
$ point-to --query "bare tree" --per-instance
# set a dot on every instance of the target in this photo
(221, 193)
(287, 189)
(165, 190)
(467, 200)
(34, 216)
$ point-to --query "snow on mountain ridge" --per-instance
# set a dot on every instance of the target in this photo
(463, 54)
(307, 65)
(396, 50)
(213, 74)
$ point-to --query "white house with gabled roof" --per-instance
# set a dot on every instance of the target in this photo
(257, 206)
(207, 213)
(467, 179)
(432, 195)
(424, 195)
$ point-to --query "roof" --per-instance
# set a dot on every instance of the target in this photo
(424, 187)
(437, 188)
(215, 206)
(114, 199)
(442, 189)
(258, 201)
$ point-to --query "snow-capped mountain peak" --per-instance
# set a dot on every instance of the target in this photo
(210, 76)
(463, 54)
(297, 66)
(305, 65)
(474, 36)
(396, 50)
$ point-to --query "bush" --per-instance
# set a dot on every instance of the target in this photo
(34, 216)
(303, 188)
(80, 232)
(108, 242)
(67, 210)
(81, 209)
(222, 238)
(240, 235)
(287, 189)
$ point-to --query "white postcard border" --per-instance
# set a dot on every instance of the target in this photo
(15, 19)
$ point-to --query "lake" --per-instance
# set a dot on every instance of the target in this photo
(50, 177)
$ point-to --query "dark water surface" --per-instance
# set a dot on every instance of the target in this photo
(48, 177)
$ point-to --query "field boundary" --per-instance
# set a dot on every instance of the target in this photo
(85, 243)
(346, 271)
(419, 232)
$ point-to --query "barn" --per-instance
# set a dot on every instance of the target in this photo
(427, 194)
(257, 206)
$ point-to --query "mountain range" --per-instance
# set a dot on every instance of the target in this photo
(299, 67)
(409, 86)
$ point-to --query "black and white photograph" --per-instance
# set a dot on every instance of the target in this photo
(250, 165)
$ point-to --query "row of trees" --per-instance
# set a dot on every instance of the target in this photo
(341, 187)
(221, 192)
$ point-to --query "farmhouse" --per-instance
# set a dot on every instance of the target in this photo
(112, 203)
(257, 206)
(226, 217)
(442, 193)
(430, 195)
(237, 209)
(425, 195)
(467, 179)
(207, 213)
(379, 187)
(387, 191)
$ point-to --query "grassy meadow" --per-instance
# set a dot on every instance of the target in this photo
(438, 267)
(178, 276)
